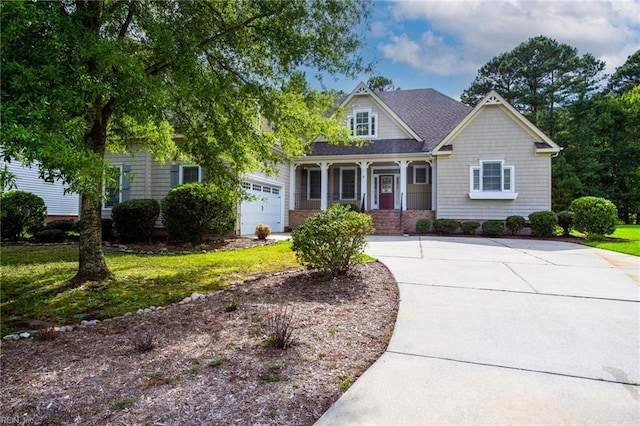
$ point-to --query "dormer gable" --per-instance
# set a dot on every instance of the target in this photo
(543, 145)
(366, 114)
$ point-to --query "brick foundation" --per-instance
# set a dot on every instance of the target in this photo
(386, 222)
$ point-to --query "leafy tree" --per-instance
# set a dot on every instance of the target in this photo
(536, 77)
(83, 77)
(381, 84)
(627, 76)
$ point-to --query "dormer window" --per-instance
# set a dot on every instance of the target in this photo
(363, 123)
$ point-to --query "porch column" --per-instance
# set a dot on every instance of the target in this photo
(403, 180)
(292, 185)
(324, 185)
(364, 168)
(433, 185)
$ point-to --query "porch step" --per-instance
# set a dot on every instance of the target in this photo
(386, 222)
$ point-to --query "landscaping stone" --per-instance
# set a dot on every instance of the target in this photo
(25, 335)
(11, 337)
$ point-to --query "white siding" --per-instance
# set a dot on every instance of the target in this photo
(58, 203)
(492, 135)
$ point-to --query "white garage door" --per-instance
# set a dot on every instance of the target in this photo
(265, 208)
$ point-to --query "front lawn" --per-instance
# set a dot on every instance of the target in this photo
(35, 281)
(631, 233)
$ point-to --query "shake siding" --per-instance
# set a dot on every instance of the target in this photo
(493, 136)
(387, 127)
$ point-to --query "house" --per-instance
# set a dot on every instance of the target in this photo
(60, 204)
(143, 177)
(423, 155)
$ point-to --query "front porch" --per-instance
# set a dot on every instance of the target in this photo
(395, 193)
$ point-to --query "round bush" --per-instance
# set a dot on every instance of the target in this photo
(469, 228)
(22, 212)
(333, 240)
(493, 228)
(515, 224)
(133, 220)
(445, 226)
(423, 226)
(594, 215)
(543, 224)
(191, 210)
(262, 231)
(565, 220)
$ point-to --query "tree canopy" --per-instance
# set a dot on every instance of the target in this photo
(82, 77)
(381, 83)
(598, 125)
(536, 77)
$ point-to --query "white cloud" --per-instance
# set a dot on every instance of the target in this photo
(454, 37)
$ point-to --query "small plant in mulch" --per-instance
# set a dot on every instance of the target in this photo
(273, 373)
(121, 404)
(277, 327)
(47, 333)
(142, 342)
(233, 304)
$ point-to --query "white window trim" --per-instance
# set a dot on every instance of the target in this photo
(355, 183)
(104, 188)
(426, 175)
(181, 175)
(351, 122)
(480, 194)
(309, 170)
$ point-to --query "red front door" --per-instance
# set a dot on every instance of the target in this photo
(386, 192)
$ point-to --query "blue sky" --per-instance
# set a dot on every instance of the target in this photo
(441, 44)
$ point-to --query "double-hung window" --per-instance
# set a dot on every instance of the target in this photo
(313, 184)
(421, 175)
(112, 188)
(491, 179)
(347, 184)
(189, 174)
(363, 123)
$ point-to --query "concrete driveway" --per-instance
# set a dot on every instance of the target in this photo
(503, 331)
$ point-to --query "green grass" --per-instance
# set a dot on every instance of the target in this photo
(631, 233)
(35, 280)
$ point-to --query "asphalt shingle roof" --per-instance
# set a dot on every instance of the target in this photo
(429, 113)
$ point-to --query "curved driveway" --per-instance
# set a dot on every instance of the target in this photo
(503, 331)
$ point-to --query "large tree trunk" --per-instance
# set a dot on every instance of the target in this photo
(92, 264)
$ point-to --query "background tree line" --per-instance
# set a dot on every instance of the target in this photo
(594, 117)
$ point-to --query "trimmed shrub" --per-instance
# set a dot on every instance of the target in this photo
(262, 231)
(21, 212)
(191, 210)
(493, 228)
(65, 225)
(469, 228)
(565, 220)
(107, 229)
(543, 224)
(445, 226)
(423, 226)
(133, 220)
(515, 224)
(594, 215)
(50, 236)
(333, 240)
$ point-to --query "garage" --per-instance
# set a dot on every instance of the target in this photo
(265, 207)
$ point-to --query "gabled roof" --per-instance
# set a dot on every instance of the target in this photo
(428, 112)
(425, 114)
(543, 144)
